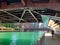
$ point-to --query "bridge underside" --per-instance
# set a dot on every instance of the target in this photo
(26, 14)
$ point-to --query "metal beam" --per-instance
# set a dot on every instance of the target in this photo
(33, 16)
(13, 15)
(56, 15)
(22, 15)
(54, 18)
(9, 20)
(10, 9)
(38, 13)
(51, 17)
(23, 2)
(39, 29)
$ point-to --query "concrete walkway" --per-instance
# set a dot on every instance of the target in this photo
(49, 41)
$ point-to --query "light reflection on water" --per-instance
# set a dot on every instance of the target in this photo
(14, 38)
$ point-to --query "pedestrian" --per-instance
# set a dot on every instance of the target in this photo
(52, 34)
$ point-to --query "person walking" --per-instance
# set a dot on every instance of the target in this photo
(52, 34)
